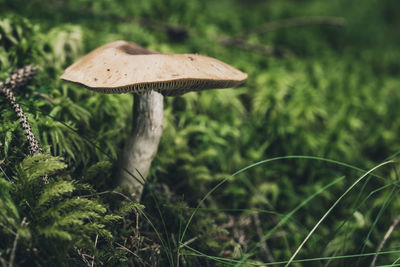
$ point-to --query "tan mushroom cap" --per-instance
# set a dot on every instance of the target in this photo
(122, 67)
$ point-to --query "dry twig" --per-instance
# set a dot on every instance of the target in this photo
(3, 261)
(14, 249)
(5, 174)
(95, 245)
(385, 238)
(240, 41)
(260, 234)
(130, 251)
(44, 96)
(261, 49)
(187, 243)
(83, 257)
(294, 22)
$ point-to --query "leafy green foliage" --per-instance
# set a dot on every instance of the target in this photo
(56, 219)
(334, 95)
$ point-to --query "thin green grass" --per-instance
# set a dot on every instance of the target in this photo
(235, 262)
(384, 206)
(354, 209)
(260, 163)
(290, 214)
(168, 249)
(331, 208)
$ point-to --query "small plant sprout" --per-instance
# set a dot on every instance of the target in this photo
(124, 67)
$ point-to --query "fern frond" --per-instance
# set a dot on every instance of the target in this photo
(55, 232)
(111, 219)
(55, 191)
(82, 204)
(130, 208)
(35, 167)
(8, 211)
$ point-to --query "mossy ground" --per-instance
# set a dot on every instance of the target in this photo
(329, 91)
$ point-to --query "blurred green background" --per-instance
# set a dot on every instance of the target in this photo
(323, 81)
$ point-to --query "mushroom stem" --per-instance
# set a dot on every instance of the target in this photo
(141, 146)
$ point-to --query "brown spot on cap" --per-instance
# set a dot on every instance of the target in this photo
(134, 49)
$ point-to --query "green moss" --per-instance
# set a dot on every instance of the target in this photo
(335, 96)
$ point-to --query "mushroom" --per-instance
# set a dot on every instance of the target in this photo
(124, 67)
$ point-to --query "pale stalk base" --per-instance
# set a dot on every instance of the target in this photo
(141, 146)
